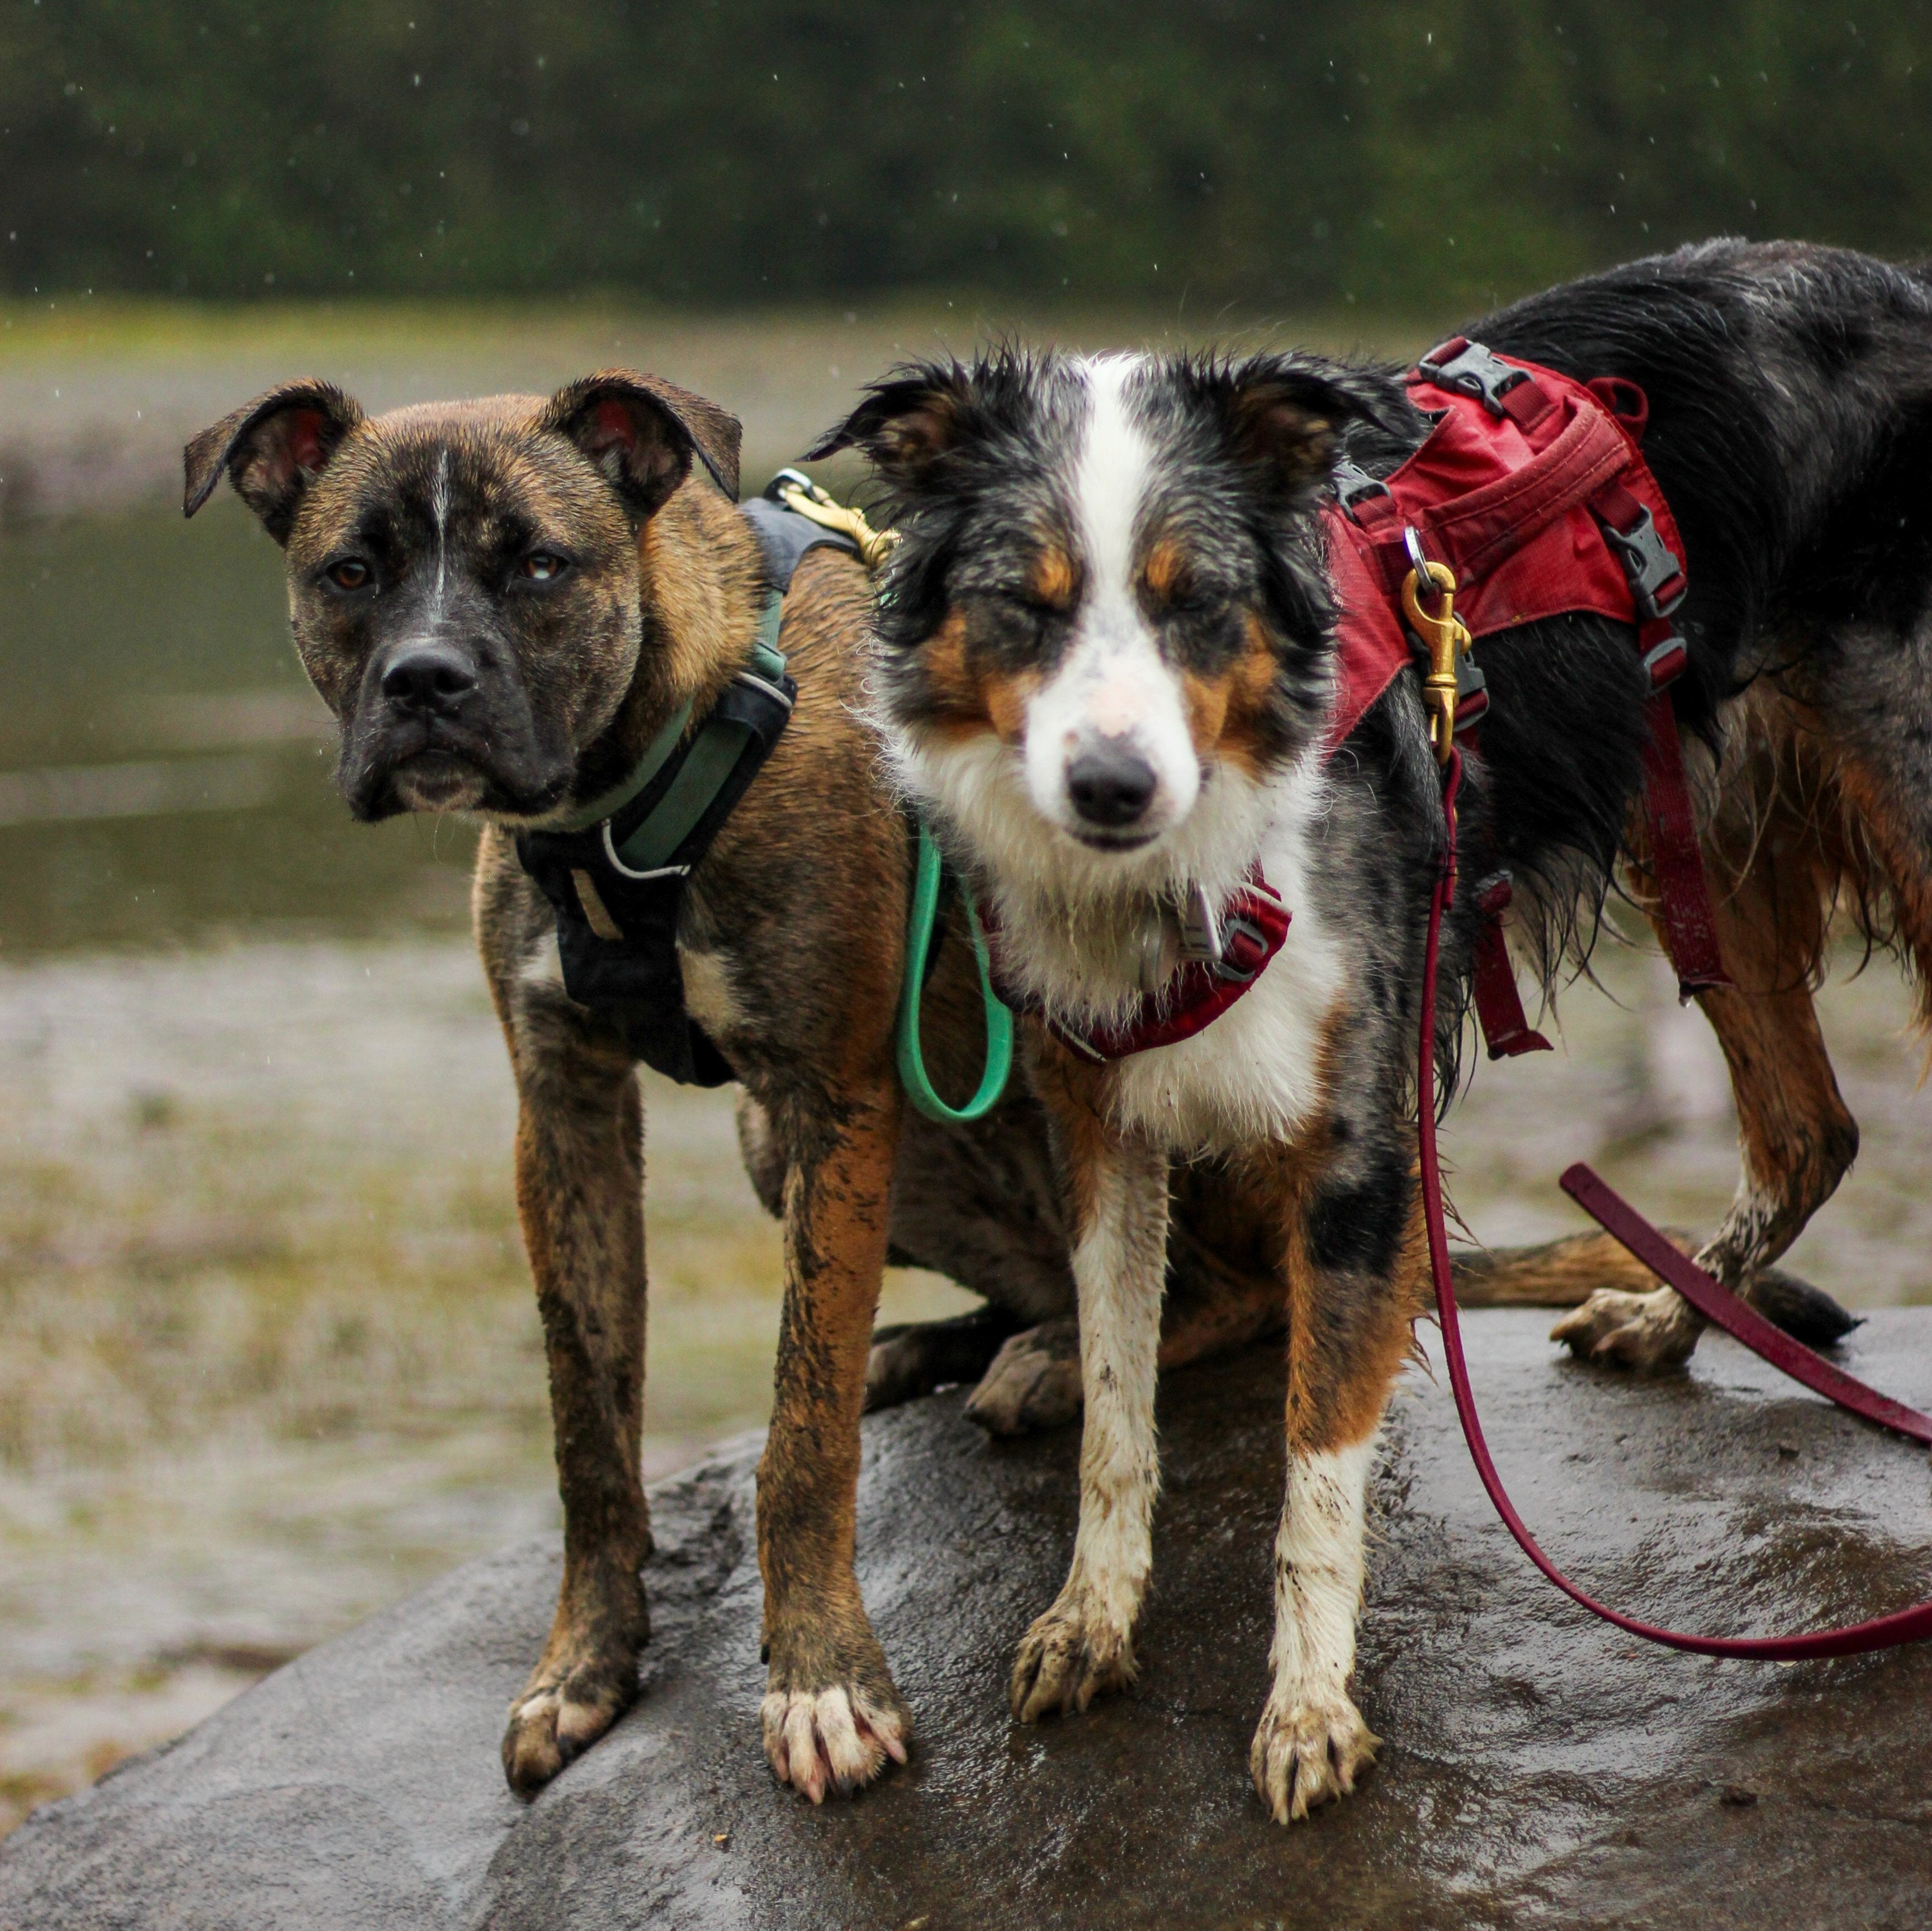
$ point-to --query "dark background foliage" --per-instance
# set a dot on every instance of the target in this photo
(1262, 155)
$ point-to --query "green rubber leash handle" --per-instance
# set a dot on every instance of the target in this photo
(999, 1021)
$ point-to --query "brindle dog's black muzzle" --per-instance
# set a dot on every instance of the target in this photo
(438, 726)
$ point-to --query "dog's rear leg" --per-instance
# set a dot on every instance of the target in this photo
(832, 1716)
(1796, 1138)
(580, 1195)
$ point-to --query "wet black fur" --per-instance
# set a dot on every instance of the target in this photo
(1790, 395)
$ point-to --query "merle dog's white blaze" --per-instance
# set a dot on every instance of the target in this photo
(1112, 688)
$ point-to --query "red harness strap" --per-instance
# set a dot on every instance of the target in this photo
(1531, 487)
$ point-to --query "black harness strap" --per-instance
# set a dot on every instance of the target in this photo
(616, 884)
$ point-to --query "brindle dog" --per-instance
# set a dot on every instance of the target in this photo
(502, 602)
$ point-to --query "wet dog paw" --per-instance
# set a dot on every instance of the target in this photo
(837, 1739)
(1642, 1331)
(1069, 1657)
(913, 1360)
(832, 1718)
(1033, 1383)
(1308, 1752)
(558, 1717)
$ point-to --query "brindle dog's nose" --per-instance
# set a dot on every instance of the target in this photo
(1110, 785)
(429, 677)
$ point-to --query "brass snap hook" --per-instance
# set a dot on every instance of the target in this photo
(1444, 635)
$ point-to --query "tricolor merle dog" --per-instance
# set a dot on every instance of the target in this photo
(1106, 672)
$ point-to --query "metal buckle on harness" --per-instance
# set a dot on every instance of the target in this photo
(1202, 937)
(1649, 563)
(1470, 369)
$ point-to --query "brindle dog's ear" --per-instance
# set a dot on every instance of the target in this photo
(907, 421)
(642, 432)
(1284, 414)
(272, 448)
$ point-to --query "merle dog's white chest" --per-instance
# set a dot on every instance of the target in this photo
(1258, 1073)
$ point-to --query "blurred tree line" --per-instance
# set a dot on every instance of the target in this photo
(1234, 152)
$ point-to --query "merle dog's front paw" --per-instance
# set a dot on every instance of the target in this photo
(1071, 1655)
(1309, 1750)
(1642, 1331)
(832, 1720)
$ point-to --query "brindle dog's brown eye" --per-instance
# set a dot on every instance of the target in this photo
(542, 566)
(349, 574)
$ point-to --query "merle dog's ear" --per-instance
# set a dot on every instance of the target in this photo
(907, 421)
(272, 448)
(1284, 414)
(642, 432)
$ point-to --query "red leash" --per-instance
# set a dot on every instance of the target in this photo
(1694, 1284)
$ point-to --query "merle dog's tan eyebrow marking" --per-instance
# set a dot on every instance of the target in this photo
(1055, 577)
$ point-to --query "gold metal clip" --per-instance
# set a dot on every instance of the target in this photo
(1446, 637)
(802, 494)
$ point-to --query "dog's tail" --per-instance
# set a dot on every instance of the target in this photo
(1567, 1273)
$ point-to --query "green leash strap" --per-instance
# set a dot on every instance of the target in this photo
(999, 1021)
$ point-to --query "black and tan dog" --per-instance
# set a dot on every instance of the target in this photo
(1105, 679)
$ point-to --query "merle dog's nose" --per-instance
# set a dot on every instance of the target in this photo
(1110, 785)
(428, 677)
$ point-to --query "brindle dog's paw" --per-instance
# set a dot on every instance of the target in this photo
(556, 1718)
(1033, 1383)
(832, 1724)
(1643, 1331)
(836, 1740)
(1070, 1657)
(1308, 1753)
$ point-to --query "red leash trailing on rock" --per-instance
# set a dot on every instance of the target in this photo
(1627, 1225)
(1522, 467)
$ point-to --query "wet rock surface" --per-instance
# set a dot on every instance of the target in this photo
(1540, 1768)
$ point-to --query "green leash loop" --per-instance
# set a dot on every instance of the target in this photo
(999, 1021)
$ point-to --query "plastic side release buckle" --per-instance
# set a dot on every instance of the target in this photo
(1244, 949)
(1354, 484)
(1470, 369)
(1649, 563)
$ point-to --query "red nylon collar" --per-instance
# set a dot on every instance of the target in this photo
(1254, 926)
